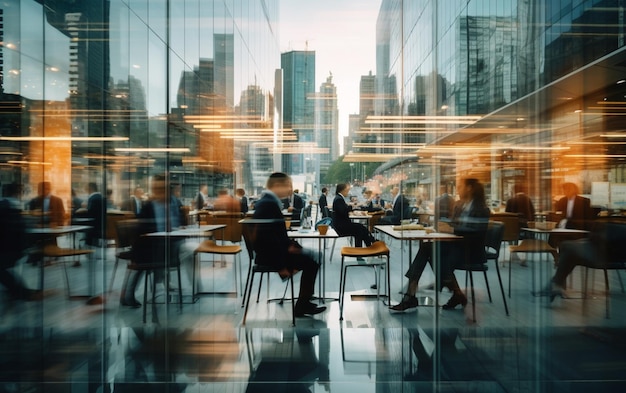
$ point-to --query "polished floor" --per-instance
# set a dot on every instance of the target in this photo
(66, 345)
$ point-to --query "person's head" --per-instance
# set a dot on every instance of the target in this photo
(109, 193)
(518, 188)
(470, 189)
(395, 190)
(240, 192)
(204, 188)
(158, 188)
(138, 192)
(92, 187)
(343, 189)
(296, 191)
(222, 192)
(443, 188)
(280, 184)
(44, 188)
(324, 190)
(367, 194)
(176, 189)
(570, 189)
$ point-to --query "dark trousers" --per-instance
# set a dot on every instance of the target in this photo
(361, 233)
(306, 263)
(574, 253)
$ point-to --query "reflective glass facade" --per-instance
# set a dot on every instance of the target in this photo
(117, 98)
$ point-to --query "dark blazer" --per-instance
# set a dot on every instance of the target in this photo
(444, 206)
(244, 204)
(12, 234)
(521, 204)
(582, 214)
(341, 214)
(199, 201)
(97, 210)
(401, 211)
(473, 228)
(323, 204)
(298, 205)
(132, 204)
(152, 249)
(56, 209)
(271, 242)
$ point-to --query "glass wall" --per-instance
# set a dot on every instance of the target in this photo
(109, 104)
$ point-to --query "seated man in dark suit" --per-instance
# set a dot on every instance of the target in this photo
(273, 246)
(577, 214)
(401, 210)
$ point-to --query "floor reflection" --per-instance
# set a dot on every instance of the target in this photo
(311, 359)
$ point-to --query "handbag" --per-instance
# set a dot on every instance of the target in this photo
(324, 221)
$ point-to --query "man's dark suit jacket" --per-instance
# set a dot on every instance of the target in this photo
(271, 241)
(96, 210)
(401, 211)
(521, 204)
(341, 215)
(152, 249)
(323, 204)
(473, 228)
(444, 206)
(56, 209)
(12, 234)
(298, 205)
(582, 214)
(131, 205)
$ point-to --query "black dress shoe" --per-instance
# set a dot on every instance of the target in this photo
(308, 309)
(455, 300)
(133, 303)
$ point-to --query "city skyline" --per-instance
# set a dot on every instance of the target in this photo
(315, 26)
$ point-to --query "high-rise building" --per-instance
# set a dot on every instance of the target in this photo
(298, 109)
(326, 128)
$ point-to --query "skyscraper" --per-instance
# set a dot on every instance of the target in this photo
(298, 111)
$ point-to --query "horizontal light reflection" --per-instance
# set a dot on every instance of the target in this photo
(64, 138)
(153, 149)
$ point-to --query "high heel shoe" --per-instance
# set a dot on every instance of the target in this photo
(455, 300)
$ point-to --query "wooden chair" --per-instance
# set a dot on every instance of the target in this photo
(511, 227)
(376, 250)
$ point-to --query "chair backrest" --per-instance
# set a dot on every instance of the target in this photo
(493, 239)
(233, 230)
(250, 227)
(127, 232)
(111, 229)
(511, 223)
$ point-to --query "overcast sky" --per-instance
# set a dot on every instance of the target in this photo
(343, 35)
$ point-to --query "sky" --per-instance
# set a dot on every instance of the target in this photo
(343, 35)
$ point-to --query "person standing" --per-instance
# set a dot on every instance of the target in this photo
(243, 200)
(273, 247)
(323, 203)
(201, 201)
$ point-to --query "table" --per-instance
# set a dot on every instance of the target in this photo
(47, 233)
(313, 234)
(420, 235)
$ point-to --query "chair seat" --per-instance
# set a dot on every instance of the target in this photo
(532, 245)
(376, 249)
(209, 246)
(126, 254)
(54, 251)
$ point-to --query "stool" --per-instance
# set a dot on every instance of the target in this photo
(376, 249)
(210, 247)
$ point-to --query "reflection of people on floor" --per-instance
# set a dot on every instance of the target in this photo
(294, 369)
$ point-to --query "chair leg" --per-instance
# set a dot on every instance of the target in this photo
(388, 289)
(341, 288)
(145, 296)
(619, 277)
(488, 289)
(249, 293)
(510, 260)
(506, 307)
(117, 260)
(180, 290)
(245, 291)
(473, 297)
(293, 303)
(258, 294)
(606, 294)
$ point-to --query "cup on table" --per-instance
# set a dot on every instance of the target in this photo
(287, 224)
(323, 229)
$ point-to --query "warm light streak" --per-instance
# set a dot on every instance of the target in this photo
(153, 149)
(15, 162)
(64, 138)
